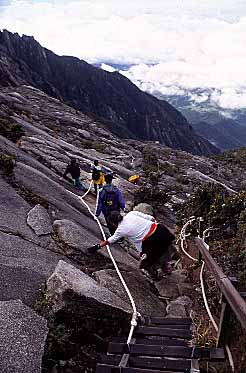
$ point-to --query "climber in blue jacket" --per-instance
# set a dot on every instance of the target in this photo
(109, 199)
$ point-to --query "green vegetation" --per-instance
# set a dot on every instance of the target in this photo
(11, 131)
(217, 207)
(32, 198)
(227, 213)
(91, 144)
(150, 161)
(7, 164)
(152, 195)
(169, 169)
(233, 157)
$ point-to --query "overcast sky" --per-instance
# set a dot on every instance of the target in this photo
(192, 43)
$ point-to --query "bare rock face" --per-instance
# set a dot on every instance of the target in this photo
(23, 335)
(38, 219)
(180, 307)
(85, 134)
(147, 302)
(73, 235)
(145, 208)
(129, 112)
(67, 278)
(173, 285)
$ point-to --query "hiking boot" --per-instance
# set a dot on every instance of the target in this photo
(159, 274)
(146, 273)
(167, 268)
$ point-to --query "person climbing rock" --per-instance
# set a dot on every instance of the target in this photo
(109, 199)
(151, 239)
(74, 170)
(97, 175)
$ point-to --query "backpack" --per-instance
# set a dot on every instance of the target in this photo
(96, 174)
(110, 201)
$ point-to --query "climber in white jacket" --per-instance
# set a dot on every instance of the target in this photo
(150, 238)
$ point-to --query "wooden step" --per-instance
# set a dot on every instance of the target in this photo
(172, 365)
(102, 368)
(168, 351)
(164, 332)
(167, 321)
(155, 341)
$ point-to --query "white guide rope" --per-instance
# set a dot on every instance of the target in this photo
(135, 313)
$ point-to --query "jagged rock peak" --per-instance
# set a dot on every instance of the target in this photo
(110, 97)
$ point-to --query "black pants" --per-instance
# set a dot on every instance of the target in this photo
(97, 185)
(156, 247)
(111, 227)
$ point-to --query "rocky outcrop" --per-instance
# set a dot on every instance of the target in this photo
(23, 335)
(174, 285)
(72, 235)
(180, 307)
(26, 260)
(124, 108)
(147, 302)
(38, 219)
(145, 208)
(68, 279)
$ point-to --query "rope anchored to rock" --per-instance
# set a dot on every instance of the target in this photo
(135, 314)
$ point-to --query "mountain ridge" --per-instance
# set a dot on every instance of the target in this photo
(111, 97)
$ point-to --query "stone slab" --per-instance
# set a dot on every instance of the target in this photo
(23, 335)
(68, 278)
(38, 219)
(146, 301)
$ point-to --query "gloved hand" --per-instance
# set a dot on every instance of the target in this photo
(93, 249)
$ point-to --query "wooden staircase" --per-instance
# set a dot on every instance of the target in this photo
(158, 345)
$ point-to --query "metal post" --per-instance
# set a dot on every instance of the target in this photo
(200, 234)
(224, 332)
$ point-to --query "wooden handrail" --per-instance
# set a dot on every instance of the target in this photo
(236, 302)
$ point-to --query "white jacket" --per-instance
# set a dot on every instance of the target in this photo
(135, 225)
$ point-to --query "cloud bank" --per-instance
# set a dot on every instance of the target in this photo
(175, 45)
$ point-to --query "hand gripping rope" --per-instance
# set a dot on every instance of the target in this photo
(135, 314)
(184, 245)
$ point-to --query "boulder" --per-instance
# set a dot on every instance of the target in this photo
(73, 235)
(173, 285)
(68, 279)
(23, 335)
(85, 134)
(181, 307)
(146, 301)
(38, 219)
(124, 259)
(145, 208)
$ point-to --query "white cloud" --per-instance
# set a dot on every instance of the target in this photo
(192, 43)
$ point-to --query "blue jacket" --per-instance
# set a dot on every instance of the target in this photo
(103, 204)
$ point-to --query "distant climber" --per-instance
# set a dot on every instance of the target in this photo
(97, 175)
(151, 239)
(109, 199)
(74, 170)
